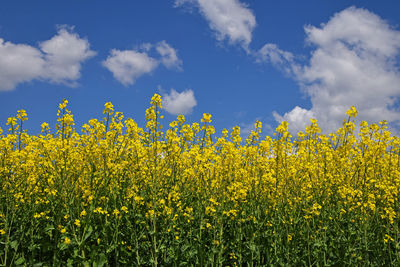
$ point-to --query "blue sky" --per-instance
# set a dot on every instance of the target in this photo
(239, 60)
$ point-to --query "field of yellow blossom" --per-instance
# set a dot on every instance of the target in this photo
(120, 195)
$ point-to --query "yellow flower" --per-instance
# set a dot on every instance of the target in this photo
(388, 238)
(156, 100)
(21, 115)
(12, 121)
(232, 256)
(181, 119)
(206, 118)
(77, 223)
(2, 232)
(352, 112)
(116, 212)
(138, 199)
(45, 127)
(83, 213)
(290, 237)
(67, 241)
(98, 210)
(63, 104)
(108, 108)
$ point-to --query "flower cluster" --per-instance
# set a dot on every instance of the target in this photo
(119, 193)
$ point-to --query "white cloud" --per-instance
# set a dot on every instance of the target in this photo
(63, 55)
(179, 103)
(298, 118)
(169, 57)
(353, 63)
(179, 3)
(230, 19)
(128, 65)
(281, 59)
(19, 63)
(57, 60)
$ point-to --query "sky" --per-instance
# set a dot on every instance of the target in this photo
(239, 60)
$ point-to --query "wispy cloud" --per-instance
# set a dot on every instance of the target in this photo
(57, 60)
(281, 59)
(229, 19)
(169, 57)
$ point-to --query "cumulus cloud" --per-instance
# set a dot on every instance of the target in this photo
(63, 55)
(128, 65)
(57, 60)
(230, 19)
(19, 63)
(353, 63)
(179, 103)
(298, 118)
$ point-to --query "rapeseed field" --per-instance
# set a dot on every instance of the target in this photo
(120, 195)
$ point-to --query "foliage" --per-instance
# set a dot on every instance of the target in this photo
(117, 194)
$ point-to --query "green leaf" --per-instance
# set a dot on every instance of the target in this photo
(88, 233)
(111, 248)
(49, 230)
(101, 261)
(63, 246)
(19, 261)
(14, 244)
(70, 262)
